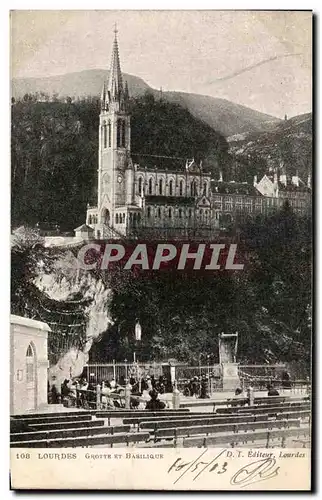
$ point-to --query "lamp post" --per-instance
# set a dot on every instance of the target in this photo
(138, 334)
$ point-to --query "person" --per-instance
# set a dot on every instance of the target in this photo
(286, 380)
(154, 403)
(239, 398)
(153, 382)
(105, 396)
(149, 383)
(272, 391)
(91, 393)
(194, 386)
(161, 385)
(204, 388)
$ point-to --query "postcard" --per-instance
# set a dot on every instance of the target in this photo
(161, 250)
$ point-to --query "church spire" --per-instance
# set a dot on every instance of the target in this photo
(115, 81)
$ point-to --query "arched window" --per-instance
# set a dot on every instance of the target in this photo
(205, 188)
(181, 188)
(123, 220)
(119, 133)
(149, 212)
(109, 134)
(170, 213)
(180, 213)
(90, 219)
(30, 364)
(193, 188)
(150, 185)
(159, 213)
(140, 186)
(116, 218)
(123, 134)
(171, 187)
(160, 186)
(104, 135)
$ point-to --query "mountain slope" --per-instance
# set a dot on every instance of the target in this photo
(224, 116)
(289, 142)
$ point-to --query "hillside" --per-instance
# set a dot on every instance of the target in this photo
(224, 116)
(54, 153)
(289, 141)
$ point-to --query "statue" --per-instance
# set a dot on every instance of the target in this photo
(228, 343)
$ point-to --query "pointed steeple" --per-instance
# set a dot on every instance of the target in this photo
(115, 81)
(103, 97)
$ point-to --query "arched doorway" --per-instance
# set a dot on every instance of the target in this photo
(106, 216)
(31, 375)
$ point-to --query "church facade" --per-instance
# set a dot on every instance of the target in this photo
(179, 201)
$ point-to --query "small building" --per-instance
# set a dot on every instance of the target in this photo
(28, 364)
(84, 232)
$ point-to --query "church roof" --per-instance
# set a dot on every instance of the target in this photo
(84, 227)
(242, 188)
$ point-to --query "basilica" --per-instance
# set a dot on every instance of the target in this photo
(182, 201)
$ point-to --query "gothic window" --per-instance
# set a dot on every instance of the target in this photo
(116, 218)
(119, 133)
(159, 213)
(104, 135)
(180, 213)
(109, 134)
(170, 213)
(205, 189)
(123, 134)
(90, 219)
(149, 212)
(193, 188)
(181, 188)
(30, 364)
(160, 186)
(150, 185)
(140, 186)
(171, 188)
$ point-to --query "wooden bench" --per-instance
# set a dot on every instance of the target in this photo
(67, 433)
(49, 420)
(138, 413)
(233, 401)
(163, 424)
(66, 425)
(263, 409)
(175, 432)
(85, 441)
(50, 414)
(195, 418)
(249, 437)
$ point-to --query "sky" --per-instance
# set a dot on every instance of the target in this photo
(260, 59)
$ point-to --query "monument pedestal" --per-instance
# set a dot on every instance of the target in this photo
(230, 378)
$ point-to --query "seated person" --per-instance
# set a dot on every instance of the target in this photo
(154, 403)
(239, 398)
(272, 391)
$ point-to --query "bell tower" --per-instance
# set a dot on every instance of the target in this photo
(114, 142)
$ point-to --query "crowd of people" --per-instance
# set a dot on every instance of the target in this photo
(80, 393)
(197, 387)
